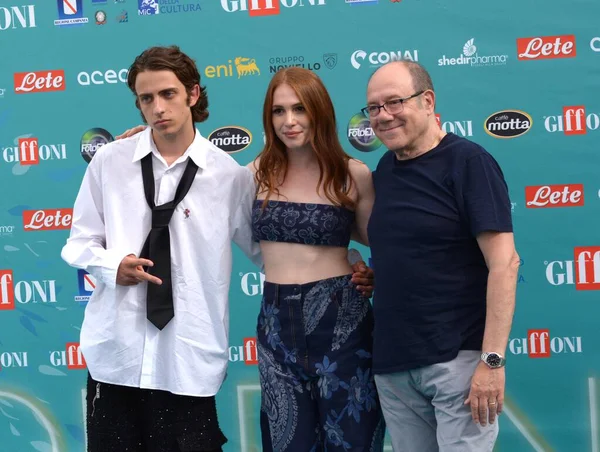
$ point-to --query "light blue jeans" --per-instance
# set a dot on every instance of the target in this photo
(424, 408)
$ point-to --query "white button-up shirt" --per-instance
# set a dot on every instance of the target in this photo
(112, 219)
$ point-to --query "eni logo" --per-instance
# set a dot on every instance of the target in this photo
(243, 67)
(246, 66)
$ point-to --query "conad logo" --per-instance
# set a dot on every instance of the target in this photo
(508, 124)
(231, 138)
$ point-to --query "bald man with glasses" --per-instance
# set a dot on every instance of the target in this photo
(445, 263)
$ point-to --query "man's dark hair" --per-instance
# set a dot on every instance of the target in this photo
(174, 60)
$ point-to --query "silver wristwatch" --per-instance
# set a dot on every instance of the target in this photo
(493, 360)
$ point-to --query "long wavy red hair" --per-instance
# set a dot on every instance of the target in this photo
(334, 176)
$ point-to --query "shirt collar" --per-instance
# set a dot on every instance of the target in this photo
(145, 144)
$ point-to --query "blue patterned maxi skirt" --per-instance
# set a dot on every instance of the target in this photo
(314, 357)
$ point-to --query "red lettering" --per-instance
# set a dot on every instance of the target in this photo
(574, 120)
(250, 351)
(568, 195)
(49, 219)
(263, 8)
(75, 359)
(587, 268)
(41, 81)
(29, 151)
(7, 293)
(538, 343)
(546, 47)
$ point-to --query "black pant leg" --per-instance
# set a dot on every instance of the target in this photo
(112, 418)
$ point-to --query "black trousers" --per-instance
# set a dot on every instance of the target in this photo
(125, 419)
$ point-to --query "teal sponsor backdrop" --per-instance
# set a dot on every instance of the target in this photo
(519, 78)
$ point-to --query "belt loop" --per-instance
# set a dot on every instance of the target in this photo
(276, 295)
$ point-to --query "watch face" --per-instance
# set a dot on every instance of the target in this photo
(493, 360)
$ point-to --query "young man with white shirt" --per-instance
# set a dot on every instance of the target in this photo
(155, 331)
(153, 222)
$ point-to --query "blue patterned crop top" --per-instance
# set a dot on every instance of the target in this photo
(308, 224)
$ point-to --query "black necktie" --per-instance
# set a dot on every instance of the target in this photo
(157, 248)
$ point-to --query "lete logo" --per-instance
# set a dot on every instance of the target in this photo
(38, 82)
(546, 47)
(45, 220)
(570, 195)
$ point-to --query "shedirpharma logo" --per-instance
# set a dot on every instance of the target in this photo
(471, 57)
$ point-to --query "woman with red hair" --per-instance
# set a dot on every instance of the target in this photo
(314, 326)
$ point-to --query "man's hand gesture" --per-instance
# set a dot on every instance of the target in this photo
(131, 271)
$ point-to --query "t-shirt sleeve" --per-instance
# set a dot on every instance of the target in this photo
(485, 199)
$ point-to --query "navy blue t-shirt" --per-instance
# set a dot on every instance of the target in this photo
(430, 275)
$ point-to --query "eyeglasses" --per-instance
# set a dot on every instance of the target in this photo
(392, 106)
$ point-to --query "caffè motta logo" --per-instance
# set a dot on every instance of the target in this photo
(508, 124)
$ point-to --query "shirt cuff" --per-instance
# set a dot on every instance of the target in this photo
(110, 266)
